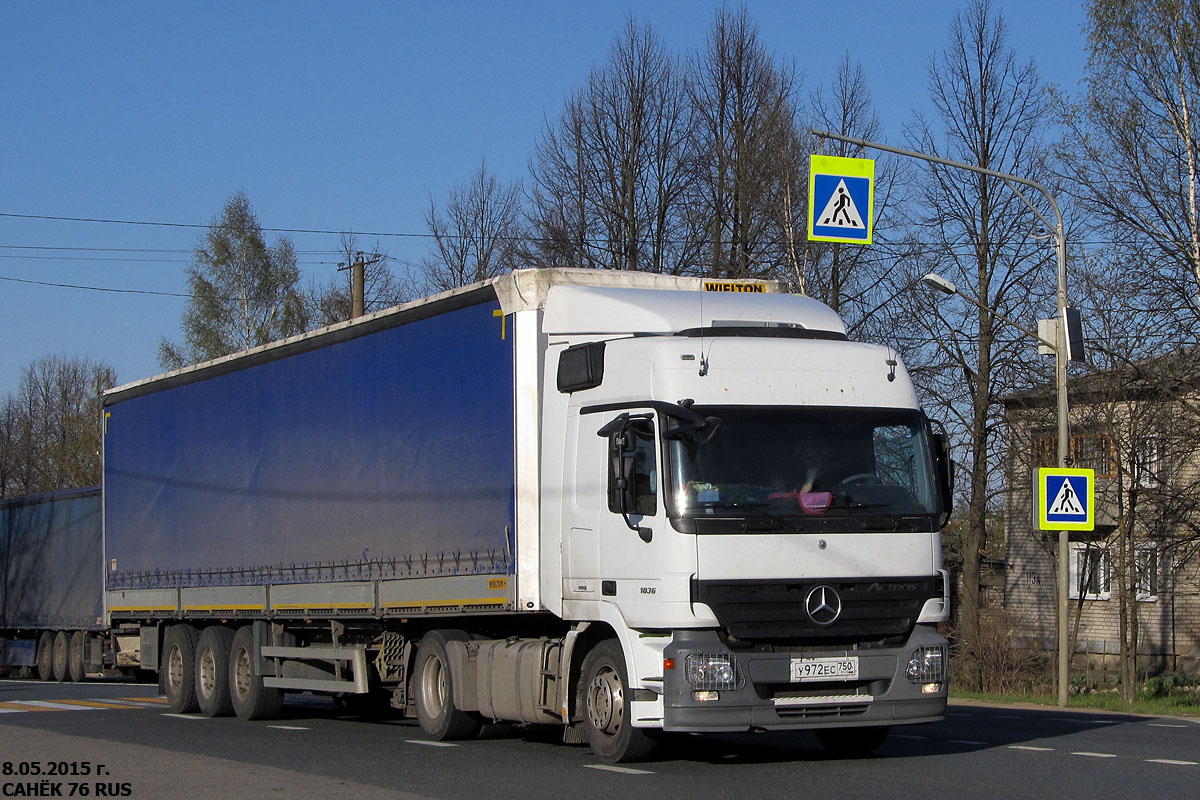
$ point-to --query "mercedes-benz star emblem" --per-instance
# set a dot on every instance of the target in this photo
(823, 605)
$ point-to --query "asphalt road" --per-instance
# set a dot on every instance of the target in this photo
(120, 736)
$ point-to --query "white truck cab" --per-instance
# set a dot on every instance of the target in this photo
(753, 503)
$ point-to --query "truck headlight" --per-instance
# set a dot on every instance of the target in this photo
(927, 665)
(714, 672)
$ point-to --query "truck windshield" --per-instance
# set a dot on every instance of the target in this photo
(804, 468)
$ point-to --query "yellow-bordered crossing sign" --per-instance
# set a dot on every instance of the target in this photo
(841, 199)
(1066, 499)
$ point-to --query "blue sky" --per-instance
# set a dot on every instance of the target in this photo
(341, 116)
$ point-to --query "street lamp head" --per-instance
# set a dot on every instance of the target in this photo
(939, 284)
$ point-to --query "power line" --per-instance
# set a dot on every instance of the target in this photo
(400, 234)
(134, 249)
(93, 288)
(198, 226)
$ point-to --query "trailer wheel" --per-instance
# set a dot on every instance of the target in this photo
(434, 690)
(852, 742)
(45, 656)
(604, 695)
(75, 657)
(251, 700)
(179, 664)
(212, 672)
(61, 656)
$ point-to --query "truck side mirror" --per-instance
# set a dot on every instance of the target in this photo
(945, 473)
(623, 490)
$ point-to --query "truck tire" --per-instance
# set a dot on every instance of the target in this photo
(852, 742)
(179, 666)
(212, 672)
(61, 655)
(75, 669)
(45, 656)
(603, 699)
(434, 690)
(251, 700)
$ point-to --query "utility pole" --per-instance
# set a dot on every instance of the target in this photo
(1061, 350)
(358, 281)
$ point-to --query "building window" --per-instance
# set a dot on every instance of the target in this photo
(1102, 460)
(1088, 451)
(1148, 461)
(1146, 565)
(1090, 570)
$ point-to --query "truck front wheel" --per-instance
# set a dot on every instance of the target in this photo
(604, 696)
(435, 691)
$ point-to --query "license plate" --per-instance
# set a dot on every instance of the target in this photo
(824, 669)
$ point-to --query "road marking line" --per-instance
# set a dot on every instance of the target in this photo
(1031, 747)
(288, 727)
(622, 770)
(134, 703)
(1164, 725)
(185, 716)
(59, 705)
(1171, 761)
(29, 705)
(1093, 755)
(95, 703)
(918, 737)
(964, 741)
(431, 744)
(162, 701)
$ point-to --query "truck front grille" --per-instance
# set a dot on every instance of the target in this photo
(760, 611)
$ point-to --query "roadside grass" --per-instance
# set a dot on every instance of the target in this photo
(1152, 699)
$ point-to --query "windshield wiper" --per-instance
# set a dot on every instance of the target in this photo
(895, 521)
(786, 524)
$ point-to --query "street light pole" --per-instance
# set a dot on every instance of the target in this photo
(1062, 356)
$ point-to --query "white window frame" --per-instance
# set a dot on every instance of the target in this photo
(1148, 460)
(1080, 551)
(1141, 552)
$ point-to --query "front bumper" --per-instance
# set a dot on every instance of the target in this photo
(765, 698)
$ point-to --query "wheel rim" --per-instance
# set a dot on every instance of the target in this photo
(175, 669)
(433, 686)
(241, 674)
(208, 672)
(606, 701)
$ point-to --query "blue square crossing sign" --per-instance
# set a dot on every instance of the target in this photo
(840, 199)
(1065, 499)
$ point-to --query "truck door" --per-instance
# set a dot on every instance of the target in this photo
(622, 548)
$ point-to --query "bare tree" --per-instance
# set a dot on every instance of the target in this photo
(1137, 413)
(744, 102)
(612, 172)
(979, 235)
(50, 428)
(1132, 149)
(476, 235)
(243, 293)
(858, 282)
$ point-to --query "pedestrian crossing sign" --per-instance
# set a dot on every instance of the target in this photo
(841, 199)
(1066, 499)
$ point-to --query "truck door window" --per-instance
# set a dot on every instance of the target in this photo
(638, 445)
